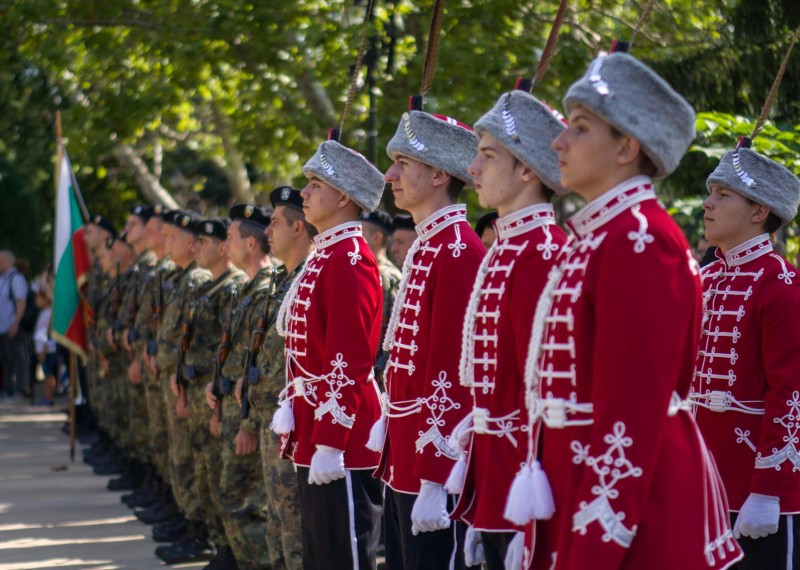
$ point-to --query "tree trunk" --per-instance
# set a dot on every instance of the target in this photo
(235, 170)
(149, 185)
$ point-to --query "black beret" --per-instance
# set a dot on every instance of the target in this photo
(485, 221)
(157, 210)
(186, 220)
(213, 227)
(142, 211)
(105, 223)
(379, 218)
(403, 222)
(258, 215)
(286, 196)
(168, 215)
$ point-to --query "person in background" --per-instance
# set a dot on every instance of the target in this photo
(403, 235)
(13, 342)
(45, 347)
(484, 227)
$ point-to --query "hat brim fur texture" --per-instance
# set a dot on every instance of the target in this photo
(640, 104)
(347, 171)
(435, 142)
(760, 179)
(526, 128)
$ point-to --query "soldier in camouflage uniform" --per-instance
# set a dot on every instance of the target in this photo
(98, 231)
(116, 261)
(181, 247)
(137, 421)
(143, 344)
(377, 228)
(290, 241)
(212, 302)
(242, 492)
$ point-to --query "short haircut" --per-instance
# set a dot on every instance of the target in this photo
(772, 224)
(293, 215)
(454, 187)
(646, 165)
(247, 230)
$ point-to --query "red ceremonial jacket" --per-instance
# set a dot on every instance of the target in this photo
(746, 387)
(331, 318)
(497, 334)
(609, 363)
(425, 400)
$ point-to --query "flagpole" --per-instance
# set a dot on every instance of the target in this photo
(72, 415)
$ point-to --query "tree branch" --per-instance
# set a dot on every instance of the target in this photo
(149, 185)
(235, 169)
(100, 22)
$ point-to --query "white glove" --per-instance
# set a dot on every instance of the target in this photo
(430, 509)
(758, 517)
(327, 465)
(473, 547)
(514, 552)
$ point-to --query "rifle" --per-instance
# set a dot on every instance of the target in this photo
(251, 373)
(156, 311)
(116, 324)
(187, 329)
(221, 386)
(133, 310)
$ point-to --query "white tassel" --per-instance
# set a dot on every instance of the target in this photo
(544, 506)
(377, 435)
(458, 475)
(530, 496)
(283, 420)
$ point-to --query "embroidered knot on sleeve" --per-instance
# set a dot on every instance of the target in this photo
(611, 468)
(355, 255)
(457, 246)
(640, 238)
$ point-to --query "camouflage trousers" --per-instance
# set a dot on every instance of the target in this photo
(207, 453)
(117, 380)
(139, 432)
(242, 496)
(181, 463)
(157, 424)
(284, 533)
(98, 394)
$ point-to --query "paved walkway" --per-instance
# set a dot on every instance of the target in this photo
(51, 518)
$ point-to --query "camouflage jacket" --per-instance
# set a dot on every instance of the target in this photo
(163, 271)
(96, 292)
(390, 283)
(175, 292)
(245, 317)
(132, 301)
(211, 303)
(271, 360)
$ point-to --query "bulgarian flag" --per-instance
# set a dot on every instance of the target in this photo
(71, 262)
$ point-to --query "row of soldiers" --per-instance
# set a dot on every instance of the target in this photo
(566, 400)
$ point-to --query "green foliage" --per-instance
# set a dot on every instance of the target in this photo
(151, 74)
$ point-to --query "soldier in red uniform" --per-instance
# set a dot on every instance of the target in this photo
(516, 172)
(746, 386)
(331, 319)
(612, 348)
(424, 400)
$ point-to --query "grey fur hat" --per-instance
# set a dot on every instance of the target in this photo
(437, 141)
(526, 127)
(762, 180)
(348, 171)
(632, 98)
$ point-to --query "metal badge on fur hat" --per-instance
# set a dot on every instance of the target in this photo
(348, 171)
(757, 177)
(637, 102)
(436, 140)
(526, 127)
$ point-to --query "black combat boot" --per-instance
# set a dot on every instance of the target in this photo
(224, 560)
(192, 546)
